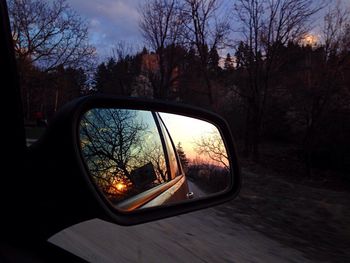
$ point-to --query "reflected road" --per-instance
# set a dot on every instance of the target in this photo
(192, 187)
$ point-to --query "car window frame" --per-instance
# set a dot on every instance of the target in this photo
(168, 140)
(165, 151)
(179, 165)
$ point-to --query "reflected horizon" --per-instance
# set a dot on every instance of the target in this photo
(192, 133)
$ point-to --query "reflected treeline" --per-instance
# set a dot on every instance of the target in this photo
(122, 150)
(212, 146)
(209, 177)
(210, 170)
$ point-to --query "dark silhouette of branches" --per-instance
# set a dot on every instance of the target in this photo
(212, 146)
(161, 23)
(111, 141)
(49, 34)
(266, 27)
(153, 152)
(162, 27)
(322, 88)
(206, 32)
(336, 30)
(115, 143)
(49, 38)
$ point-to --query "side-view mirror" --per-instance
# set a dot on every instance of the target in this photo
(140, 159)
(130, 161)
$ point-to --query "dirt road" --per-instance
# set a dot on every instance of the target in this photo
(201, 236)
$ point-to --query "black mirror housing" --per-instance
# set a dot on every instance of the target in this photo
(65, 192)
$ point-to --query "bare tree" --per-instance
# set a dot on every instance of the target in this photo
(336, 30)
(266, 26)
(323, 87)
(162, 27)
(206, 32)
(125, 69)
(49, 34)
(122, 50)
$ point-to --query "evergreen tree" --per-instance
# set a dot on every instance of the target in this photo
(213, 61)
(100, 77)
(183, 159)
(144, 51)
(228, 65)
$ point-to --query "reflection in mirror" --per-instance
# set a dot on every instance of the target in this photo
(139, 159)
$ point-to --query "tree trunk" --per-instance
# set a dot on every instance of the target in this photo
(247, 136)
(307, 151)
(252, 133)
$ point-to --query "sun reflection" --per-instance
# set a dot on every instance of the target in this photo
(120, 186)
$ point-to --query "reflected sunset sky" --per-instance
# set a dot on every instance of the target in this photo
(187, 130)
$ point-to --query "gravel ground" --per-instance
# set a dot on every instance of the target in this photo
(202, 236)
(274, 219)
(313, 220)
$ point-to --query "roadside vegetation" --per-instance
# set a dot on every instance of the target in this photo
(305, 213)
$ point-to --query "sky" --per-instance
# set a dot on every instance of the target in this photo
(110, 21)
(113, 21)
(187, 131)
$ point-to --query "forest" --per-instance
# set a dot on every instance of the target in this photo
(278, 71)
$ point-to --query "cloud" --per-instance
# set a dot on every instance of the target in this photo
(117, 10)
(94, 22)
(110, 21)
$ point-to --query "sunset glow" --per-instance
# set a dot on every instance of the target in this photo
(189, 131)
(186, 130)
(310, 39)
(120, 186)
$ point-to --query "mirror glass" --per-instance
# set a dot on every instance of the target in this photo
(141, 159)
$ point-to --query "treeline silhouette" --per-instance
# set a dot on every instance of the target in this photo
(279, 83)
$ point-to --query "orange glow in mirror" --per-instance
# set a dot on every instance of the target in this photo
(120, 186)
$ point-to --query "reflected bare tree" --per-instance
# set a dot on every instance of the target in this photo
(212, 146)
(111, 141)
(123, 151)
(153, 152)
